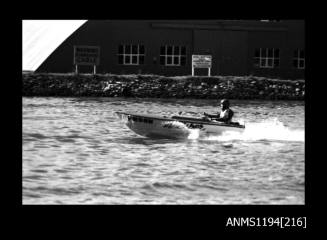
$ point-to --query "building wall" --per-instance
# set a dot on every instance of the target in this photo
(234, 51)
(231, 44)
(263, 39)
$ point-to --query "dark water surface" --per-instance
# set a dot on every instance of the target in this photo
(76, 151)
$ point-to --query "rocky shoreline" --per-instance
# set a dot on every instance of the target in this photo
(154, 86)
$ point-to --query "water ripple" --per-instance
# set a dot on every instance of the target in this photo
(75, 151)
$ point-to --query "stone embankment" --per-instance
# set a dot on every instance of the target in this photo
(153, 86)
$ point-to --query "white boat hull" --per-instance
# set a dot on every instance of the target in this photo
(179, 127)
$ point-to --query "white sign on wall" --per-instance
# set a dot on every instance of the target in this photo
(201, 61)
(86, 55)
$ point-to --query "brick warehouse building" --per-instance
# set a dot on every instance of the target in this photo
(165, 47)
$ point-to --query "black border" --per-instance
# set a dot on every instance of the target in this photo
(188, 218)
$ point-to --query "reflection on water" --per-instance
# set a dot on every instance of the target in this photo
(76, 151)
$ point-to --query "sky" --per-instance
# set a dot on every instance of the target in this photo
(42, 37)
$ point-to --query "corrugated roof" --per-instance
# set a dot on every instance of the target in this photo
(42, 37)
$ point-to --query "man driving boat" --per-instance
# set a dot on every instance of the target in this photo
(225, 115)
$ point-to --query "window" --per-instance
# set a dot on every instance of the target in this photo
(299, 59)
(131, 54)
(172, 55)
(266, 57)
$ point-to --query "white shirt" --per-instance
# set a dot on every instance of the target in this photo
(223, 114)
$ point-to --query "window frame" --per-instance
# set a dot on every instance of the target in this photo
(124, 54)
(172, 56)
(298, 58)
(265, 58)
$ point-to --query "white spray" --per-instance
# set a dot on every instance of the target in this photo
(271, 129)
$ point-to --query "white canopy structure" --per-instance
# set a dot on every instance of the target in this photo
(42, 37)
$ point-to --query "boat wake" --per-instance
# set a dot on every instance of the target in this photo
(271, 129)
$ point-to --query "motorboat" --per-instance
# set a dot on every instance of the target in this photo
(177, 126)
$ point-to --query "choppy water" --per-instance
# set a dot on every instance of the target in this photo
(76, 151)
